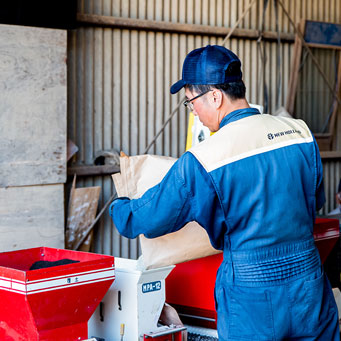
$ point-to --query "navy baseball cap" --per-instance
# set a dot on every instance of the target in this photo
(207, 65)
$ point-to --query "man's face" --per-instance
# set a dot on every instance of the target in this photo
(201, 107)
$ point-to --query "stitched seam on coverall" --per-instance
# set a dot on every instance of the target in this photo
(189, 194)
(215, 188)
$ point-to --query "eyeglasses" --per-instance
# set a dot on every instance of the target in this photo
(188, 103)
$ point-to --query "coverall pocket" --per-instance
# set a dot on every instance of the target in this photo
(318, 292)
(319, 306)
(251, 315)
(314, 286)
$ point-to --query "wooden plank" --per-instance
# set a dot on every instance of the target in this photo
(32, 106)
(31, 216)
(332, 122)
(324, 141)
(163, 26)
(82, 212)
(93, 170)
(324, 46)
(330, 155)
(296, 60)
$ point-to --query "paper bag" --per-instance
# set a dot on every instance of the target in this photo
(138, 174)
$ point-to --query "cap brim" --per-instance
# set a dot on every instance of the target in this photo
(177, 86)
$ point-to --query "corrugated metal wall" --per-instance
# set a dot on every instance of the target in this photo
(119, 79)
(314, 100)
(332, 175)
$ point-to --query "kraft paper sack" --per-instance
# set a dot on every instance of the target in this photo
(138, 174)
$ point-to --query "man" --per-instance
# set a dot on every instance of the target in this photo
(254, 186)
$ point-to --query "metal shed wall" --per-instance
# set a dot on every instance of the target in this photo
(119, 79)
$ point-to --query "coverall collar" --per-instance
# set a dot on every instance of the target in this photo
(237, 115)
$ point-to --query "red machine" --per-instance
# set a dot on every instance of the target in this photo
(52, 303)
(190, 286)
(326, 234)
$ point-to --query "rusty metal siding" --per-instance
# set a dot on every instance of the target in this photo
(119, 79)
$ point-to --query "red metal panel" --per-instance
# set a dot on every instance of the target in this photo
(326, 234)
(190, 287)
(53, 303)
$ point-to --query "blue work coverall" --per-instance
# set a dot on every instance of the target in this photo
(254, 186)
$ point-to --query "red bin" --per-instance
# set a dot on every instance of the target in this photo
(52, 303)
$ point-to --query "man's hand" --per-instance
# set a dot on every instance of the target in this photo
(169, 316)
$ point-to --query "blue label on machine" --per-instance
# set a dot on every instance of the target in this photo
(152, 286)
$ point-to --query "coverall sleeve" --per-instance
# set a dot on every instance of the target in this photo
(185, 194)
(320, 195)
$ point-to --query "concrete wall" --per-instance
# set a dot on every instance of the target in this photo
(32, 137)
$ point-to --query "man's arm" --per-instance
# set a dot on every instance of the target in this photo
(162, 209)
(185, 194)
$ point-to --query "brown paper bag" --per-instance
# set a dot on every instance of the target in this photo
(138, 174)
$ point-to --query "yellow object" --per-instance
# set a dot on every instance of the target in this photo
(195, 127)
(189, 140)
(122, 331)
(197, 132)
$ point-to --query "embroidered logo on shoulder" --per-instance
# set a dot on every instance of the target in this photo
(283, 133)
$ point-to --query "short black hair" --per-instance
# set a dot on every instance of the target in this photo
(234, 90)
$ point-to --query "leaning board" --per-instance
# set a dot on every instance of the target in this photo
(31, 216)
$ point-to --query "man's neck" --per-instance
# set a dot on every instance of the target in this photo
(230, 106)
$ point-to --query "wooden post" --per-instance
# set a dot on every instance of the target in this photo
(292, 87)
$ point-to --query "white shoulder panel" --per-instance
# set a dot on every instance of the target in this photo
(250, 136)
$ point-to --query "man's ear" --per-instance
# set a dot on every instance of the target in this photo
(217, 98)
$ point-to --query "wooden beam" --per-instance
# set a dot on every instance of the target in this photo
(296, 61)
(93, 170)
(324, 46)
(164, 26)
(332, 122)
(336, 154)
